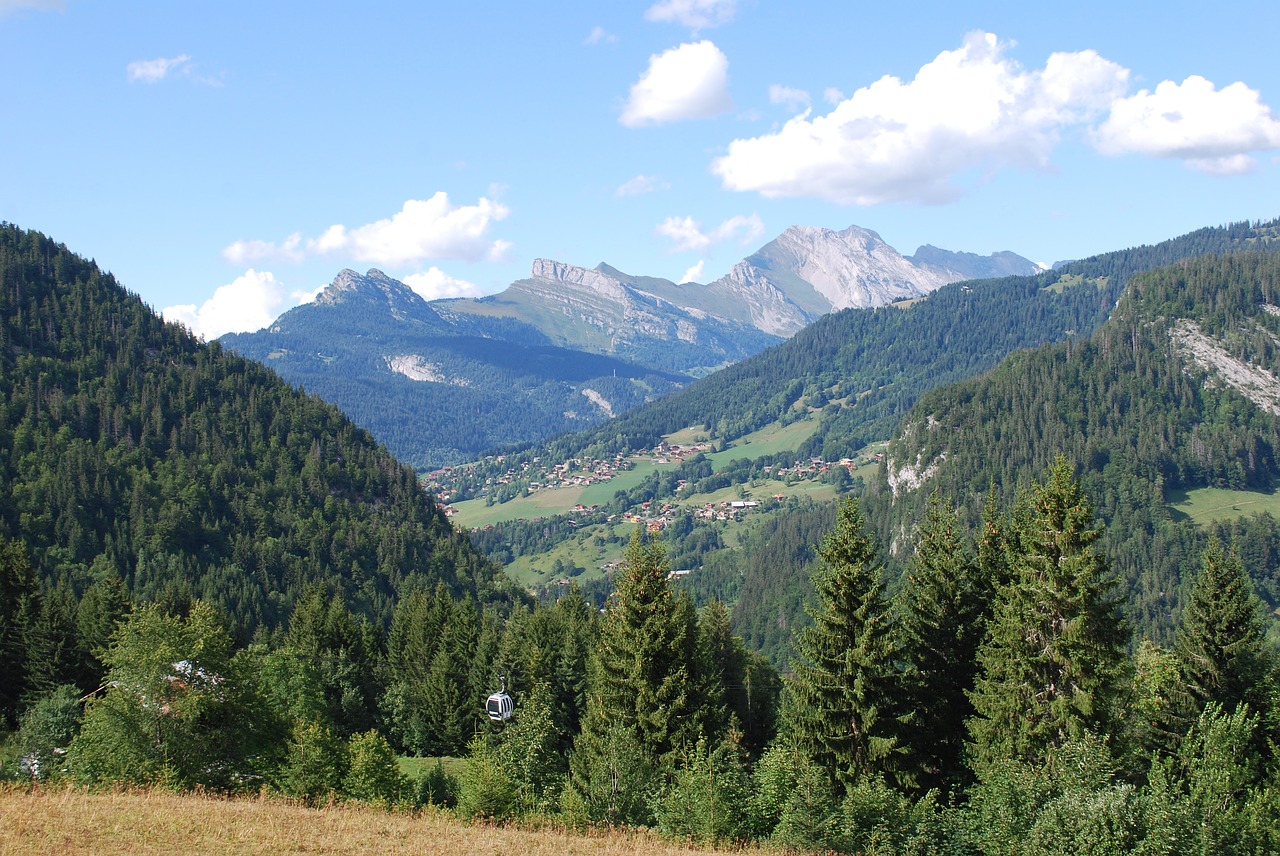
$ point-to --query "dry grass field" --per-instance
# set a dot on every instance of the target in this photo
(141, 823)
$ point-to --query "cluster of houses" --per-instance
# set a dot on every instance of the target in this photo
(448, 484)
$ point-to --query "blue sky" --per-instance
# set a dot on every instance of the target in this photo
(225, 160)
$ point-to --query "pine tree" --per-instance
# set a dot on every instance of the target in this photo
(1220, 638)
(643, 675)
(1051, 656)
(640, 691)
(19, 610)
(844, 686)
(941, 619)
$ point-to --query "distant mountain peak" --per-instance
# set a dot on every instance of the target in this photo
(373, 286)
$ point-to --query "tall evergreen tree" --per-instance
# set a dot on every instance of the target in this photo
(941, 615)
(19, 610)
(641, 686)
(1051, 657)
(1220, 639)
(844, 686)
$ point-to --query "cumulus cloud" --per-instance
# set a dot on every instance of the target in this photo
(694, 273)
(908, 141)
(1209, 129)
(695, 14)
(249, 303)
(155, 70)
(831, 95)
(686, 82)
(686, 233)
(249, 252)
(599, 36)
(434, 283)
(793, 98)
(641, 184)
(423, 229)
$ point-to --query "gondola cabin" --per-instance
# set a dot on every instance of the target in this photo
(499, 707)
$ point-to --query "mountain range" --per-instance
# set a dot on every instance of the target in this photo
(568, 347)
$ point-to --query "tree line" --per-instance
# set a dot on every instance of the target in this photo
(987, 703)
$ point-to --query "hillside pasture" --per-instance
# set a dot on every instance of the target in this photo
(1210, 504)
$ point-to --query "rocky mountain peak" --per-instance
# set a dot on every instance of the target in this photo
(373, 285)
(599, 280)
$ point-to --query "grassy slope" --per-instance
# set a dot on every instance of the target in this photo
(1210, 504)
(54, 820)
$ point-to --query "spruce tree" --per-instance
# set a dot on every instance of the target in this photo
(19, 610)
(643, 675)
(1220, 638)
(640, 697)
(844, 686)
(1051, 657)
(941, 618)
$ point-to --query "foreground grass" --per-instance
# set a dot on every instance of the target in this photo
(139, 823)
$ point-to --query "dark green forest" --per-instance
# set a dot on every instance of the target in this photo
(131, 452)
(1140, 414)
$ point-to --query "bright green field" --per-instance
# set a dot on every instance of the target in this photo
(1207, 504)
(545, 503)
(414, 767)
(769, 440)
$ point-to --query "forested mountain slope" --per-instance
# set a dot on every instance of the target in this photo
(874, 364)
(1180, 389)
(126, 444)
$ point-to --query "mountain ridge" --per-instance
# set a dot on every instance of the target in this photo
(567, 346)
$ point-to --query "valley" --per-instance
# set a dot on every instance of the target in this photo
(681, 483)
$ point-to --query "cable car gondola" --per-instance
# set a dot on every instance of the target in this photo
(500, 706)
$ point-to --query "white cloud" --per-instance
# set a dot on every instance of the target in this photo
(249, 303)
(687, 234)
(422, 229)
(7, 6)
(896, 141)
(685, 82)
(695, 14)
(155, 70)
(793, 98)
(599, 36)
(831, 95)
(434, 283)
(641, 184)
(248, 252)
(1210, 129)
(693, 274)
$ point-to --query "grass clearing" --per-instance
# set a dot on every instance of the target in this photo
(142, 823)
(1208, 504)
(473, 513)
(415, 767)
(769, 440)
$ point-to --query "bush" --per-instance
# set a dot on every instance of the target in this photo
(436, 787)
(708, 799)
(36, 749)
(373, 775)
(315, 765)
(486, 789)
